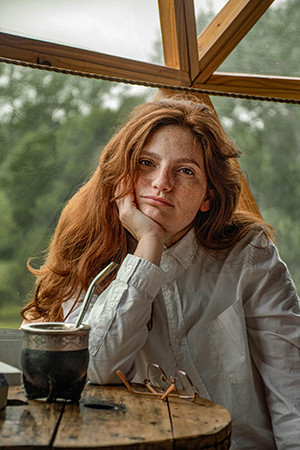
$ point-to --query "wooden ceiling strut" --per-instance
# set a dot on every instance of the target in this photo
(224, 33)
(179, 37)
(170, 34)
(191, 32)
(41, 52)
(259, 85)
(187, 58)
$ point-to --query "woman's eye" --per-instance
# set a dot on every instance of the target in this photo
(187, 171)
(146, 162)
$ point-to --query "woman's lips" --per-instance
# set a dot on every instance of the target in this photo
(158, 201)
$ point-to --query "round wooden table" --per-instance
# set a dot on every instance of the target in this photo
(111, 417)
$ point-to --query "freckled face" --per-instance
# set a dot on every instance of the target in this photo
(172, 183)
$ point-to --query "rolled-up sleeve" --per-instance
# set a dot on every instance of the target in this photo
(273, 321)
(119, 319)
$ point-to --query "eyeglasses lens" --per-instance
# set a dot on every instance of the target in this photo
(183, 385)
(157, 378)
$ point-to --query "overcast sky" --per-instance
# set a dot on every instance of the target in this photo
(120, 27)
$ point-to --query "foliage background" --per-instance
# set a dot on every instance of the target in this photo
(53, 127)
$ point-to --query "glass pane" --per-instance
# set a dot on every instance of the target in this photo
(271, 46)
(205, 11)
(268, 135)
(52, 130)
(130, 28)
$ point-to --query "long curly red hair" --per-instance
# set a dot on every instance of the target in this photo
(89, 233)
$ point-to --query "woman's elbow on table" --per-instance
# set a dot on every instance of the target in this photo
(100, 372)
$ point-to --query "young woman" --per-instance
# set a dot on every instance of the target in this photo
(200, 286)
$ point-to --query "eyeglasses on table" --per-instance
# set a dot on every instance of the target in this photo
(160, 386)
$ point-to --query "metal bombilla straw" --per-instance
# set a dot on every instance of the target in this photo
(91, 289)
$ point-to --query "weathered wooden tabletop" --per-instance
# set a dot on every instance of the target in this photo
(110, 417)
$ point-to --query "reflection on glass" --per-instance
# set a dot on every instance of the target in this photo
(123, 28)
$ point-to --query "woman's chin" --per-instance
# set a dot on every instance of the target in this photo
(153, 214)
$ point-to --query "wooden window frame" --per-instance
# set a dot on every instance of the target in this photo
(190, 61)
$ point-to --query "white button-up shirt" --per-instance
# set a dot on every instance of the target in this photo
(231, 323)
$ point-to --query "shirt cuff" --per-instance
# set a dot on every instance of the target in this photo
(143, 275)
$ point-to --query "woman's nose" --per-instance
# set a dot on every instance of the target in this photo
(163, 179)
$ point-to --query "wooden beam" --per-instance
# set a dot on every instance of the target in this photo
(191, 31)
(178, 26)
(34, 51)
(277, 87)
(224, 33)
(169, 35)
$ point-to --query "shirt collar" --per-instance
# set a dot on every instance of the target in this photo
(185, 249)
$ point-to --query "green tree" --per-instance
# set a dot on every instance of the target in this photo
(52, 130)
(267, 132)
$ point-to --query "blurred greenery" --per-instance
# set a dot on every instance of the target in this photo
(52, 130)
(268, 133)
(53, 127)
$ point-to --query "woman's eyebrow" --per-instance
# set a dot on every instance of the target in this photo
(147, 153)
(187, 161)
(178, 160)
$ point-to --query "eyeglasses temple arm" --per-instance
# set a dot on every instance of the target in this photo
(151, 388)
(120, 374)
(170, 389)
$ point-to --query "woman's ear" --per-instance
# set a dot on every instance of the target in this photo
(207, 201)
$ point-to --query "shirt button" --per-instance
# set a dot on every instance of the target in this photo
(169, 287)
(113, 303)
(165, 266)
(128, 268)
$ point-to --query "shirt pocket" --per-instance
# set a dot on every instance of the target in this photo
(229, 337)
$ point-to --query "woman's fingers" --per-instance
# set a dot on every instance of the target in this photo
(134, 220)
(149, 234)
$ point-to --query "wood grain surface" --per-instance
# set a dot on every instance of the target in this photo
(110, 417)
(27, 424)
